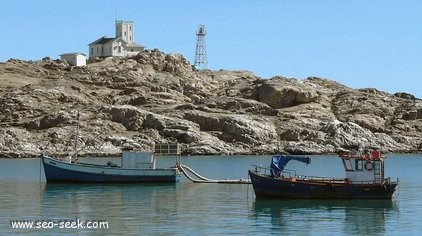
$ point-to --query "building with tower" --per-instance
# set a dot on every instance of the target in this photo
(122, 45)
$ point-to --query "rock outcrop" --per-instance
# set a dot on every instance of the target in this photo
(157, 97)
(281, 92)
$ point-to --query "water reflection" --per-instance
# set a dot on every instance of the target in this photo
(311, 216)
(128, 207)
(100, 196)
(19, 199)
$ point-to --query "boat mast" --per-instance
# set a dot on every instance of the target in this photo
(75, 155)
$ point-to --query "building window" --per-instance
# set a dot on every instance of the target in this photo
(130, 38)
(130, 27)
(102, 50)
(119, 49)
(92, 50)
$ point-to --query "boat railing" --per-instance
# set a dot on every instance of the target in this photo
(288, 173)
(167, 149)
(321, 179)
(267, 171)
(262, 170)
(291, 174)
(386, 181)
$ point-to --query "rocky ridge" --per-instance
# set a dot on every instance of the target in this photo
(156, 97)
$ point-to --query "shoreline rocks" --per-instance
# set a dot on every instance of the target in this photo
(157, 97)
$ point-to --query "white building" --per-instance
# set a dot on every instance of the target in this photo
(74, 58)
(121, 46)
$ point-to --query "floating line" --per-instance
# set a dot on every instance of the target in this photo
(202, 179)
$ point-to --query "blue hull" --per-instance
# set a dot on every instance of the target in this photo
(58, 174)
(268, 187)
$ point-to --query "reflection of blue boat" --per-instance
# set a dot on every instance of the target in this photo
(135, 167)
(364, 180)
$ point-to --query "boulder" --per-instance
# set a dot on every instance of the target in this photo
(131, 117)
(172, 63)
(412, 115)
(405, 95)
(278, 94)
(291, 135)
(17, 142)
(346, 135)
(308, 147)
(49, 121)
(241, 128)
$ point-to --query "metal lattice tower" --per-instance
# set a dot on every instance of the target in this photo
(201, 61)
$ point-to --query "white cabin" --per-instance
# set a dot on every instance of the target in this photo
(364, 169)
(74, 58)
(132, 159)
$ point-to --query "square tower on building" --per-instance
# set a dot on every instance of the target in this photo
(125, 30)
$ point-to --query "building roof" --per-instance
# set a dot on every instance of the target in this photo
(72, 54)
(134, 45)
(124, 21)
(104, 40)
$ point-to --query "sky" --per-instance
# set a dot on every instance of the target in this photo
(358, 43)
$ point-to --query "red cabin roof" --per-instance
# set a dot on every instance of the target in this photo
(373, 155)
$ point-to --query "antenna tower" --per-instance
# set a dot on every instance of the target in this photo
(200, 52)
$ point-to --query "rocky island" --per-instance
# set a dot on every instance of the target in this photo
(157, 97)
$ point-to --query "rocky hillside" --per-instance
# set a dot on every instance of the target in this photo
(156, 97)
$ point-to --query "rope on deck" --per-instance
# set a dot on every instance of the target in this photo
(201, 179)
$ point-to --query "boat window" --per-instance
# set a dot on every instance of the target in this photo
(347, 165)
(358, 164)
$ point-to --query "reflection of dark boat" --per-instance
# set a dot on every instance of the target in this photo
(135, 167)
(364, 180)
(266, 204)
(360, 216)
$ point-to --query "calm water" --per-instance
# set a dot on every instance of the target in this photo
(208, 209)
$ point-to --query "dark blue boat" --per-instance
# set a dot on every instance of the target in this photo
(364, 180)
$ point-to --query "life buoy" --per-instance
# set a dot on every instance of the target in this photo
(369, 166)
(344, 154)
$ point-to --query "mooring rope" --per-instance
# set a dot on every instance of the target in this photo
(206, 180)
(194, 173)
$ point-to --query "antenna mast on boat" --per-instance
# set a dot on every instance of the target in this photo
(75, 155)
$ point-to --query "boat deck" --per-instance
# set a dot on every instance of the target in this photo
(291, 176)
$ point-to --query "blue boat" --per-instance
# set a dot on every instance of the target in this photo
(364, 179)
(135, 167)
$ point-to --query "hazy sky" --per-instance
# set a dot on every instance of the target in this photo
(357, 43)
